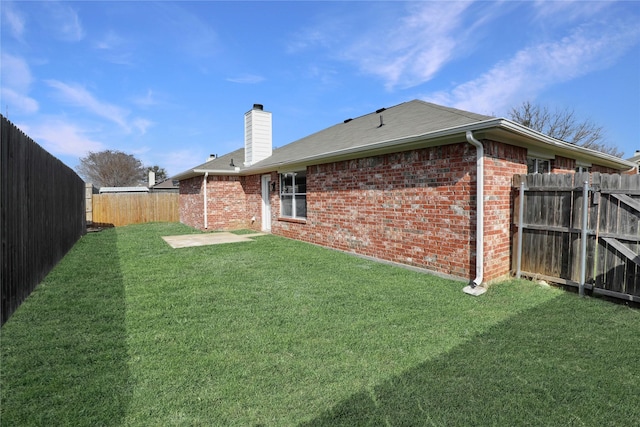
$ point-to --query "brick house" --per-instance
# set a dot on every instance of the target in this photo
(398, 184)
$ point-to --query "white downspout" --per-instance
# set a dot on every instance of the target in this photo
(206, 224)
(474, 288)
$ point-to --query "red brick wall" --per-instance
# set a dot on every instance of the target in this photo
(501, 163)
(413, 207)
(191, 202)
(416, 207)
(227, 202)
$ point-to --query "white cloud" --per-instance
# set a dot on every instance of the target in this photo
(147, 100)
(142, 125)
(60, 137)
(114, 48)
(534, 69)
(18, 101)
(80, 97)
(175, 162)
(64, 21)
(16, 84)
(15, 72)
(246, 79)
(561, 12)
(13, 19)
(412, 51)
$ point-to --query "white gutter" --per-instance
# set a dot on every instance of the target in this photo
(206, 223)
(474, 288)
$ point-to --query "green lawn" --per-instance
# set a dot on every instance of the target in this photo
(275, 332)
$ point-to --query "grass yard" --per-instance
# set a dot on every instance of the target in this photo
(128, 331)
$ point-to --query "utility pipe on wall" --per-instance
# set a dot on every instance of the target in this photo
(474, 287)
(204, 191)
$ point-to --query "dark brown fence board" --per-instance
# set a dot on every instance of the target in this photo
(552, 230)
(42, 214)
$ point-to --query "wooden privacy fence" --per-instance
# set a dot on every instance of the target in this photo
(122, 208)
(551, 239)
(42, 214)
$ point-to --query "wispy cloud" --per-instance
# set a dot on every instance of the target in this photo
(80, 97)
(180, 160)
(147, 100)
(536, 68)
(64, 21)
(403, 44)
(60, 137)
(114, 48)
(246, 79)
(561, 12)
(16, 84)
(13, 19)
(410, 52)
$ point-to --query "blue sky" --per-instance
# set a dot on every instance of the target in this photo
(170, 81)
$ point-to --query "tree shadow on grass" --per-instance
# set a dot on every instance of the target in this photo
(566, 362)
(64, 351)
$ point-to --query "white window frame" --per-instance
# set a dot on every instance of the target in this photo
(294, 193)
(537, 165)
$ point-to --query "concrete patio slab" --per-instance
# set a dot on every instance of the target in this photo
(191, 240)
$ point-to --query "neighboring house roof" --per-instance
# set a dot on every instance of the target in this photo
(167, 184)
(124, 190)
(413, 124)
(635, 158)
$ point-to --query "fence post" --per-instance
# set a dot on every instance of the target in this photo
(520, 227)
(583, 243)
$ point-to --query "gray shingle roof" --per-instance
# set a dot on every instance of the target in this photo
(403, 120)
(223, 163)
(394, 126)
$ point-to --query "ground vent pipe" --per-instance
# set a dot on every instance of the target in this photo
(474, 288)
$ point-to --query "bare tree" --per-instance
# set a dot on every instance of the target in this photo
(563, 125)
(111, 169)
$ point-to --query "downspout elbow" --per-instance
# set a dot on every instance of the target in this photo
(474, 287)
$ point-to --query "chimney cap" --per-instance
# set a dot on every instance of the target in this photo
(258, 107)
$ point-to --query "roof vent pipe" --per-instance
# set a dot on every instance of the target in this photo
(474, 288)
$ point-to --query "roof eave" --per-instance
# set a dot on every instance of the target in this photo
(500, 129)
(192, 173)
(526, 137)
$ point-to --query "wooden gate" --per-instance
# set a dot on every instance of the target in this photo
(548, 217)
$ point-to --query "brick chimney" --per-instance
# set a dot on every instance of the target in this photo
(257, 135)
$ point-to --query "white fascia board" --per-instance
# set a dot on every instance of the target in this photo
(217, 171)
(571, 150)
(199, 172)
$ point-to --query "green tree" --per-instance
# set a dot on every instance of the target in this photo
(161, 173)
(563, 125)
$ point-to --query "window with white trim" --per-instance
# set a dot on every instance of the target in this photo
(538, 165)
(293, 195)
